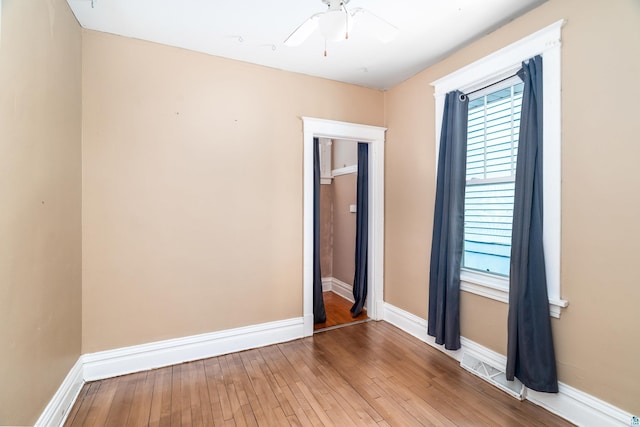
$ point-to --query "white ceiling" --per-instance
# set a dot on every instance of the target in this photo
(254, 31)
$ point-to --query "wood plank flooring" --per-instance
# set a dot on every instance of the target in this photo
(366, 374)
(338, 311)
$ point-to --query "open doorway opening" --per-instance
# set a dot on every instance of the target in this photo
(338, 161)
(374, 137)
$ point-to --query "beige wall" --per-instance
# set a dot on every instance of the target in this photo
(40, 254)
(192, 189)
(597, 338)
(344, 227)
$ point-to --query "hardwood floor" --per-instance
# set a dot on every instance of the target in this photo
(338, 313)
(367, 374)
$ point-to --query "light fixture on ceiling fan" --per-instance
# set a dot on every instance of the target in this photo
(336, 22)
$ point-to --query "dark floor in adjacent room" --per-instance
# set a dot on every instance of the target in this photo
(338, 311)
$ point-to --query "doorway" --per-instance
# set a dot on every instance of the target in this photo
(338, 162)
(374, 137)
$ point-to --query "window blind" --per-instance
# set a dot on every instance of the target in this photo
(492, 149)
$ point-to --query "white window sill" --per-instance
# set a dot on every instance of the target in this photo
(497, 288)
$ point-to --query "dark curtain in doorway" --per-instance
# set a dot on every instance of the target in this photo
(319, 313)
(530, 351)
(448, 224)
(362, 230)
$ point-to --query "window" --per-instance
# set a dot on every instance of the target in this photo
(492, 149)
(491, 152)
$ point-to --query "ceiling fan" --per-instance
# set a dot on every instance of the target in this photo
(337, 21)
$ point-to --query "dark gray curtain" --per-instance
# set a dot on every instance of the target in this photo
(530, 352)
(319, 314)
(448, 224)
(362, 230)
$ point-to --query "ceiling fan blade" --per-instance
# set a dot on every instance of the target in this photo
(380, 28)
(300, 34)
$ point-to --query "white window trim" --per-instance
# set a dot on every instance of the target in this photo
(495, 67)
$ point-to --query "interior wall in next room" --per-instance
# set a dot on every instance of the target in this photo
(344, 155)
(344, 227)
(337, 223)
(326, 230)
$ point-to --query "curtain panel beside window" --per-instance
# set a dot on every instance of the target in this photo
(448, 225)
(530, 351)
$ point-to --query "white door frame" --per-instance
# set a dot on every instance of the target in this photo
(374, 136)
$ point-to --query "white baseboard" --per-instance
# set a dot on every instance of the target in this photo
(55, 413)
(416, 326)
(326, 284)
(570, 403)
(331, 284)
(111, 363)
(410, 323)
(343, 289)
(308, 325)
(127, 360)
(581, 408)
